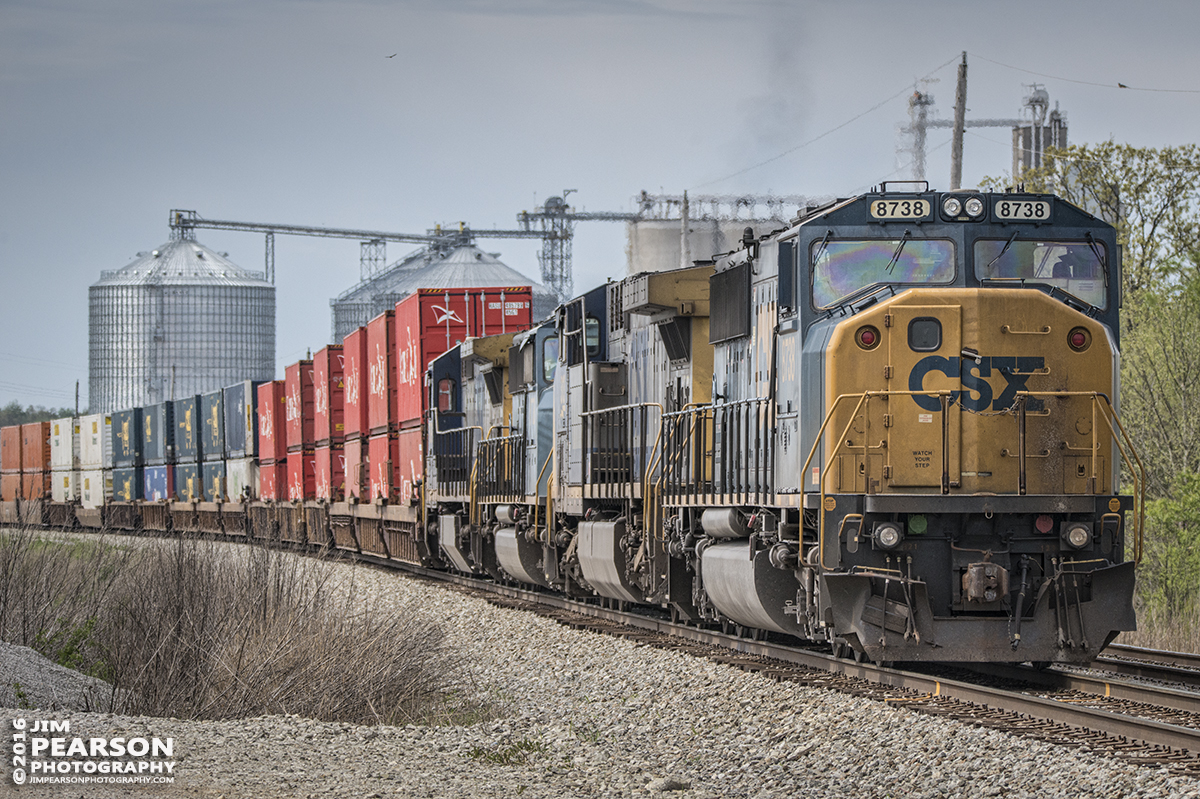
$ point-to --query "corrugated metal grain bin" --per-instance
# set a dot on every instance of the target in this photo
(354, 374)
(158, 434)
(10, 449)
(35, 485)
(10, 487)
(188, 482)
(272, 411)
(331, 473)
(301, 476)
(272, 480)
(212, 429)
(356, 468)
(128, 485)
(241, 419)
(95, 442)
(97, 487)
(127, 438)
(64, 444)
(299, 386)
(381, 373)
(329, 395)
(187, 412)
(35, 447)
(64, 486)
(159, 483)
(213, 474)
(241, 479)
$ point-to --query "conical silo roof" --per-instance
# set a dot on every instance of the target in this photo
(181, 262)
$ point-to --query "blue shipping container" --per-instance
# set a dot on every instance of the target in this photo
(241, 419)
(187, 430)
(188, 485)
(159, 483)
(127, 438)
(127, 484)
(212, 430)
(158, 434)
(214, 481)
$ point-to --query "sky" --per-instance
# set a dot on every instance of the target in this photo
(405, 114)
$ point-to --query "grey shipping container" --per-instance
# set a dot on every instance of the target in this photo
(212, 425)
(127, 484)
(188, 486)
(241, 419)
(158, 434)
(127, 438)
(187, 430)
(214, 481)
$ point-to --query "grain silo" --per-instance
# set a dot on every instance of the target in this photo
(179, 320)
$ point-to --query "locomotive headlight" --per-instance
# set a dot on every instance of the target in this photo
(1077, 535)
(951, 206)
(888, 535)
(974, 206)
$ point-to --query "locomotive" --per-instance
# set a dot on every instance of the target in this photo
(890, 426)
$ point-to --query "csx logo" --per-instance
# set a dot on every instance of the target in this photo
(1015, 371)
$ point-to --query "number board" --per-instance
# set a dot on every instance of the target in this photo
(1019, 210)
(901, 209)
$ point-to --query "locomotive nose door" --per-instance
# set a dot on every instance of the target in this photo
(925, 430)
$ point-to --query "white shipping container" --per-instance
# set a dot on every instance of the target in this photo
(64, 444)
(95, 442)
(241, 479)
(64, 486)
(96, 487)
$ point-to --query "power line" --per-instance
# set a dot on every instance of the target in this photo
(1120, 86)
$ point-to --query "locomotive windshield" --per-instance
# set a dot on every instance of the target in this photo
(1076, 267)
(840, 268)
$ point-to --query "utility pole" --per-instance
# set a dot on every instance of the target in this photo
(960, 122)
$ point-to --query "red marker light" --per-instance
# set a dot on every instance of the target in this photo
(1044, 523)
(867, 337)
(1079, 339)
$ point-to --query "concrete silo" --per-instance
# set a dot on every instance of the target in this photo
(179, 320)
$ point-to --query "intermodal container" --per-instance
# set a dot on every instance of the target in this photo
(96, 487)
(127, 432)
(64, 486)
(272, 480)
(272, 411)
(213, 475)
(301, 476)
(158, 434)
(159, 483)
(356, 468)
(299, 387)
(411, 464)
(354, 373)
(128, 485)
(64, 444)
(329, 389)
(35, 447)
(35, 485)
(10, 486)
(10, 450)
(212, 429)
(381, 373)
(241, 479)
(189, 486)
(384, 455)
(95, 443)
(331, 473)
(188, 437)
(241, 419)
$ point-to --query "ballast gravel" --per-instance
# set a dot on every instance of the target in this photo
(587, 715)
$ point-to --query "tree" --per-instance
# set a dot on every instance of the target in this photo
(13, 413)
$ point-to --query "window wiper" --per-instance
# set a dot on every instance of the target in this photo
(1091, 242)
(1003, 250)
(896, 255)
(821, 248)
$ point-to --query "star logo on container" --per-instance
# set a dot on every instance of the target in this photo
(444, 313)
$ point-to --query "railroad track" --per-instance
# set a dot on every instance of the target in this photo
(1182, 668)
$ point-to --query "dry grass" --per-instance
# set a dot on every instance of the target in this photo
(1178, 632)
(193, 629)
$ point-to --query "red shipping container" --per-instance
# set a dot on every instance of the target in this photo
(10, 487)
(301, 476)
(412, 465)
(329, 395)
(331, 473)
(299, 380)
(381, 373)
(272, 480)
(433, 320)
(35, 447)
(384, 454)
(356, 468)
(354, 372)
(10, 451)
(35, 485)
(272, 410)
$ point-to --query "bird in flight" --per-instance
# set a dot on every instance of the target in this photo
(393, 55)
(1119, 85)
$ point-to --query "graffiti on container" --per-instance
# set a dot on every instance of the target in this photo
(377, 374)
(352, 394)
(321, 399)
(410, 360)
(293, 404)
(264, 423)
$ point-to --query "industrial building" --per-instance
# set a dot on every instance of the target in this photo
(179, 320)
